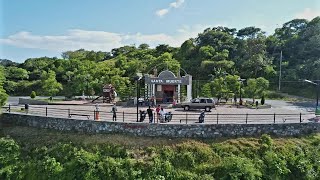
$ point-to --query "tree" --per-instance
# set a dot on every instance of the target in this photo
(144, 46)
(219, 87)
(256, 87)
(3, 94)
(249, 32)
(50, 86)
(15, 73)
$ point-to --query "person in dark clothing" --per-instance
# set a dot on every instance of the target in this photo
(201, 117)
(114, 112)
(150, 114)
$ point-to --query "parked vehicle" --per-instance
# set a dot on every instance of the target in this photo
(199, 103)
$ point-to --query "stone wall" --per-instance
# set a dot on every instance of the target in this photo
(164, 130)
(32, 101)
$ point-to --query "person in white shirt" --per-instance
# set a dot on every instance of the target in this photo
(162, 114)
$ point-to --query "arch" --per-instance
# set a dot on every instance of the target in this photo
(180, 68)
(166, 74)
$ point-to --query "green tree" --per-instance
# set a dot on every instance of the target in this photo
(15, 73)
(50, 86)
(256, 87)
(3, 94)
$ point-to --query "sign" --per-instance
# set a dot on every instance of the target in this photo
(167, 81)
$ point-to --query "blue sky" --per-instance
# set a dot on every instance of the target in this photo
(35, 28)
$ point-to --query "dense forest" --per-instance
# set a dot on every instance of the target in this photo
(216, 55)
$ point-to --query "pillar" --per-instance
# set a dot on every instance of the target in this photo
(179, 96)
(154, 93)
(189, 88)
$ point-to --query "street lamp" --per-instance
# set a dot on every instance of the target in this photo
(317, 83)
(241, 82)
(137, 78)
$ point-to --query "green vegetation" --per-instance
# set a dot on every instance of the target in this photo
(33, 95)
(223, 53)
(43, 154)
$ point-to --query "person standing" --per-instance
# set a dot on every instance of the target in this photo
(150, 114)
(158, 111)
(96, 112)
(114, 112)
(162, 115)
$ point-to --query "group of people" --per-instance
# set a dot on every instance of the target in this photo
(159, 111)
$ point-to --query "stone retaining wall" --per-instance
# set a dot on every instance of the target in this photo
(32, 101)
(166, 130)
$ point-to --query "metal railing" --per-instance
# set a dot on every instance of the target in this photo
(177, 118)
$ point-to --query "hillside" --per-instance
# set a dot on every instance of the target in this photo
(47, 154)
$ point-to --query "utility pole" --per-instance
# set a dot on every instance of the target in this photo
(280, 71)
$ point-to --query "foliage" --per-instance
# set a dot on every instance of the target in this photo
(9, 158)
(243, 158)
(50, 86)
(3, 94)
(256, 87)
(33, 95)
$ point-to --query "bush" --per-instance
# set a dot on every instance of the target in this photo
(33, 95)
(3, 97)
(234, 167)
(9, 158)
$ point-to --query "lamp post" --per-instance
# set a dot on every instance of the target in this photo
(280, 64)
(137, 79)
(317, 83)
(241, 82)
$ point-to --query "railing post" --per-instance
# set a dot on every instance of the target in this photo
(154, 117)
(247, 118)
(274, 118)
(157, 119)
(94, 115)
(122, 116)
(46, 111)
(186, 118)
(69, 113)
(9, 108)
(217, 118)
(300, 118)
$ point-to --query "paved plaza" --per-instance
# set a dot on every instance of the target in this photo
(280, 112)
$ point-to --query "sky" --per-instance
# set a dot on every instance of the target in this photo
(37, 28)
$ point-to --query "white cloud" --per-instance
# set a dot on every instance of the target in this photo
(97, 40)
(74, 39)
(162, 12)
(176, 4)
(308, 14)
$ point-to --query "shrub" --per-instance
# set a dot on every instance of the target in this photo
(9, 158)
(3, 97)
(33, 95)
(234, 167)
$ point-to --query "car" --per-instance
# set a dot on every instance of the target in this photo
(199, 103)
